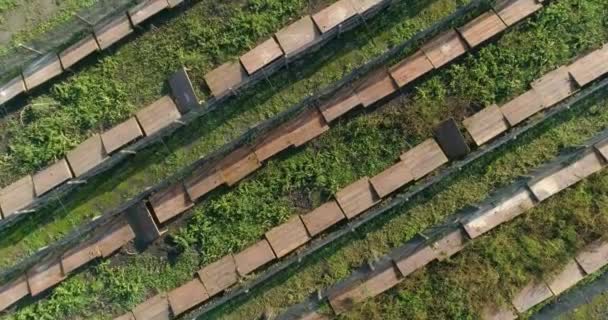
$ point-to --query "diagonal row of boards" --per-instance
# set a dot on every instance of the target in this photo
(288, 42)
(16, 197)
(419, 252)
(349, 203)
(108, 32)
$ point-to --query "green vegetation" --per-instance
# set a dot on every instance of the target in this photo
(596, 309)
(364, 145)
(496, 266)
(207, 134)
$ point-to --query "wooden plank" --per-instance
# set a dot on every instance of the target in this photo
(219, 275)
(253, 257)
(170, 202)
(79, 256)
(113, 31)
(203, 181)
(144, 10)
(362, 6)
(42, 71)
(273, 142)
(78, 51)
(174, 3)
(87, 155)
(594, 256)
(486, 124)
(313, 316)
(570, 275)
(17, 196)
(119, 234)
(482, 28)
(155, 308)
(391, 179)
(498, 313)
(43, 276)
(450, 139)
(298, 36)
(261, 56)
(554, 86)
(590, 67)
(411, 68)
(343, 299)
(424, 158)
(409, 260)
(357, 197)
(522, 107)
(142, 224)
(127, 316)
(11, 89)
(334, 15)
(339, 104)
(504, 210)
(513, 11)
(374, 87)
(547, 185)
(12, 292)
(238, 165)
(121, 135)
(444, 48)
(323, 217)
(602, 148)
(158, 115)
(287, 237)
(531, 295)
(306, 127)
(187, 296)
(183, 91)
(449, 244)
(225, 78)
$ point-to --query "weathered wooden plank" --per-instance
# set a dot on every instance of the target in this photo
(203, 181)
(158, 115)
(412, 257)
(411, 68)
(522, 107)
(43, 276)
(170, 202)
(11, 89)
(238, 165)
(43, 70)
(374, 87)
(486, 124)
(594, 256)
(87, 155)
(357, 197)
(482, 28)
(187, 296)
(444, 48)
(554, 86)
(513, 11)
(80, 255)
(121, 135)
(287, 237)
(13, 291)
(155, 308)
(391, 179)
(78, 51)
(531, 295)
(113, 31)
(298, 36)
(262, 55)
(144, 10)
(226, 78)
(424, 158)
(570, 275)
(334, 15)
(323, 217)
(119, 234)
(449, 244)
(219, 275)
(253, 257)
(590, 67)
(17, 196)
(339, 104)
(306, 127)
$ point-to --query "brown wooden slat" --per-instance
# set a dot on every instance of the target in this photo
(569, 276)
(44, 276)
(187, 296)
(339, 104)
(11, 89)
(170, 202)
(80, 255)
(486, 124)
(334, 15)
(306, 127)
(17, 195)
(374, 87)
(13, 291)
(203, 181)
(225, 78)
(145, 10)
(513, 11)
(298, 36)
(119, 234)
(411, 68)
(449, 244)
(78, 51)
(391, 179)
(554, 86)
(158, 115)
(590, 67)
(113, 31)
(87, 155)
(48, 69)
(155, 308)
(51, 177)
(262, 55)
(323, 217)
(238, 165)
(482, 28)
(408, 261)
(531, 295)
(219, 275)
(287, 237)
(253, 257)
(594, 256)
(522, 107)
(121, 134)
(424, 158)
(357, 197)
(444, 48)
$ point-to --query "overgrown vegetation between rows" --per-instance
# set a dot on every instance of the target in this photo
(360, 146)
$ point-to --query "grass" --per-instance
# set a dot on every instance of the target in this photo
(363, 145)
(495, 267)
(205, 135)
(105, 93)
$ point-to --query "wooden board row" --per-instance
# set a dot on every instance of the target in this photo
(103, 36)
(350, 202)
(420, 252)
(50, 272)
(88, 155)
(286, 43)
